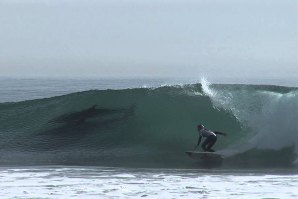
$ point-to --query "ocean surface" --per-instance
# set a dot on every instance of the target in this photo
(126, 138)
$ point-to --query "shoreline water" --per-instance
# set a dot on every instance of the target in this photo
(107, 182)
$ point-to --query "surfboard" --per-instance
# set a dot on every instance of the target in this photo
(205, 156)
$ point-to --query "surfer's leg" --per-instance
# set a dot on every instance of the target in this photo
(212, 140)
(206, 141)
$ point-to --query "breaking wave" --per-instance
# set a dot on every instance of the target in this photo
(152, 127)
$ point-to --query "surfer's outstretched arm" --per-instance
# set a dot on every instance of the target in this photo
(220, 133)
(199, 141)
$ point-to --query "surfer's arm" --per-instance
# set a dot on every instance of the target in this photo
(199, 141)
(220, 133)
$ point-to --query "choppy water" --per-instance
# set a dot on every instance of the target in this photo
(102, 182)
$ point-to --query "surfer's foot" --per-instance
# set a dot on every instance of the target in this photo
(210, 150)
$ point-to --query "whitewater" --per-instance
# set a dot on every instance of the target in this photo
(52, 145)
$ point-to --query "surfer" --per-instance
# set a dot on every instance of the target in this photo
(210, 138)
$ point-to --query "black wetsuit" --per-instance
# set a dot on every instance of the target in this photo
(210, 140)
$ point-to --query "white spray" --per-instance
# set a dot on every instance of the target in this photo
(271, 117)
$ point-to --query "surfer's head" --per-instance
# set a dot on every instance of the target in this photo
(200, 126)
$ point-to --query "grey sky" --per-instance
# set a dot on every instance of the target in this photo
(244, 38)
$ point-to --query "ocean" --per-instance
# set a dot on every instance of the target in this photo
(126, 138)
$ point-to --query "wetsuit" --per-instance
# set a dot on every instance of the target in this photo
(209, 141)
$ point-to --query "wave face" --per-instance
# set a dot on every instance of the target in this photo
(152, 127)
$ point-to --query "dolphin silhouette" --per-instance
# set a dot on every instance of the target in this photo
(92, 112)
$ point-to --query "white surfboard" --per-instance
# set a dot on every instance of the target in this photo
(205, 156)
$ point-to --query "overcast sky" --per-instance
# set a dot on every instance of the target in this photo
(133, 38)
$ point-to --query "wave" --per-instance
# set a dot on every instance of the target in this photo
(152, 127)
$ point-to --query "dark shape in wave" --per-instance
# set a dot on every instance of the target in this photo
(71, 128)
(94, 113)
